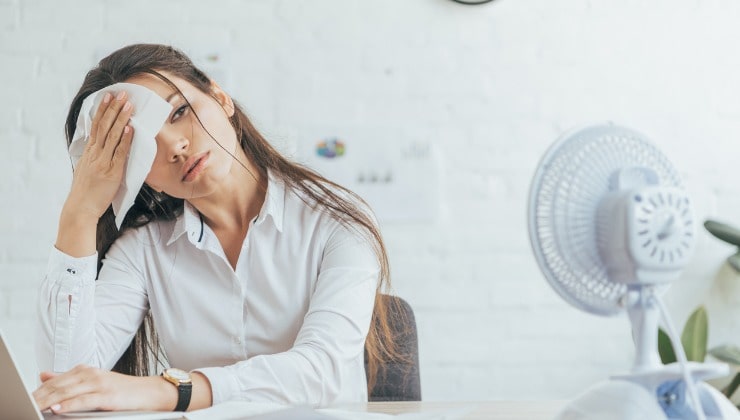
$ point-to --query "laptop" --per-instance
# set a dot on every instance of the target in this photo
(17, 403)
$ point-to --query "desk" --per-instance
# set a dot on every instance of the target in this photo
(488, 410)
(481, 410)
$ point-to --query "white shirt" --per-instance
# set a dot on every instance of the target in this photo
(288, 325)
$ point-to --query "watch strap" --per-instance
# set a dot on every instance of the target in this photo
(184, 391)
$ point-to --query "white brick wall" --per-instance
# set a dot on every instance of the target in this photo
(490, 86)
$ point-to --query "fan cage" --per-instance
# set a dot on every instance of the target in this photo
(572, 177)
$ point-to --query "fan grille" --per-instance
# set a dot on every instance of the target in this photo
(570, 180)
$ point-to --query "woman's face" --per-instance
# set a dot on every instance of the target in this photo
(189, 163)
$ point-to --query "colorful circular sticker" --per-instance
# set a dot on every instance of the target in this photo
(330, 148)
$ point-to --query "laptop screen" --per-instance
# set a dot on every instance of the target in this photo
(15, 400)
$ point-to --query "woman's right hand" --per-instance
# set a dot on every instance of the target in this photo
(99, 171)
(97, 176)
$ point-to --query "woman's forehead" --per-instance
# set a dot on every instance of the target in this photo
(159, 86)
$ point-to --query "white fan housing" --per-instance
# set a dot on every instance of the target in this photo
(645, 231)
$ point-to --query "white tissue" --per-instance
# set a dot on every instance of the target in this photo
(150, 113)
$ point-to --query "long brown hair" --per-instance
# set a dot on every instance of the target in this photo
(151, 205)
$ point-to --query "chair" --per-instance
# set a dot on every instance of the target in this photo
(399, 380)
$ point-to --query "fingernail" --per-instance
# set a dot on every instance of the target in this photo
(106, 98)
(127, 106)
(56, 407)
(120, 95)
(126, 129)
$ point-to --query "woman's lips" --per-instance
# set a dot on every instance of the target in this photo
(194, 166)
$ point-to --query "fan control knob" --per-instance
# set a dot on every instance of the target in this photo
(645, 235)
(662, 231)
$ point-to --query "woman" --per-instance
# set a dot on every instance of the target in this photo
(260, 277)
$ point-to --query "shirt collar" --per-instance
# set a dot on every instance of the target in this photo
(274, 206)
(189, 221)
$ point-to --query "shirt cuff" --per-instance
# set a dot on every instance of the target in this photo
(224, 385)
(82, 267)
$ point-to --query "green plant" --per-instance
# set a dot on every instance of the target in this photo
(694, 341)
(728, 354)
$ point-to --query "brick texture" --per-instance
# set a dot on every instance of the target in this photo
(489, 87)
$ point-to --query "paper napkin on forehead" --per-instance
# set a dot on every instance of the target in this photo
(150, 113)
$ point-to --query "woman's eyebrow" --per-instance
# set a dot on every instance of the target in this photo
(169, 98)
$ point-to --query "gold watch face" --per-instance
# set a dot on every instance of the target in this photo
(178, 374)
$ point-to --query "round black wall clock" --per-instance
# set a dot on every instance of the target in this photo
(471, 2)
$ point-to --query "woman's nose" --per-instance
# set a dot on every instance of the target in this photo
(173, 146)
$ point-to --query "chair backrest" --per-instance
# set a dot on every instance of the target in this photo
(399, 380)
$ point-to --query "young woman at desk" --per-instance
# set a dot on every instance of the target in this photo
(260, 277)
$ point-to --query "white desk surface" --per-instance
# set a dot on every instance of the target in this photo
(473, 410)
(489, 410)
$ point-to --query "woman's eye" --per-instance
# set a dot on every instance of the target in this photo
(179, 113)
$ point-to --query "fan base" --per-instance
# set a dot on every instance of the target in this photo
(656, 394)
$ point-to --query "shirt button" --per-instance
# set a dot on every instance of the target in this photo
(237, 340)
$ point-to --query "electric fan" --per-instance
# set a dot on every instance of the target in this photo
(611, 227)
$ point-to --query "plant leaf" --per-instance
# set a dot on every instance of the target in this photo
(665, 348)
(732, 387)
(694, 336)
(727, 353)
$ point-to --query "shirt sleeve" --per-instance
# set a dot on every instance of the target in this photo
(83, 321)
(330, 344)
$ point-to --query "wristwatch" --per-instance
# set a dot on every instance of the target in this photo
(184, 384)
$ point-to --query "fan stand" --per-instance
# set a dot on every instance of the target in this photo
(644, 316)
(651, 390)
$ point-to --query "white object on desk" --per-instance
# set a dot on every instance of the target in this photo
(234, 410)
(116, 415)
